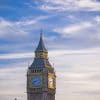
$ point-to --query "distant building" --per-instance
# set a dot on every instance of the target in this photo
(15, 98)
(41, 78)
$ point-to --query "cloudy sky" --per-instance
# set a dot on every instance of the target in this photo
(72, 36)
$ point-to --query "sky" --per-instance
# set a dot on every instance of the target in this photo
(71, 32)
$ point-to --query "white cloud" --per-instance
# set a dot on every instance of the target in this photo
(77, 74)
(97, 18)
(31, 21)
(64, 5)
(19, 28)
(9, 28)
(4, 23)
(16, 56)
(74, 29)
(86, 31)
(56, 5)
(52, 53)
(13, 81)
(93, 5)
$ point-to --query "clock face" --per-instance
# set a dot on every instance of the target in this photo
(51, 81)
(36, 81)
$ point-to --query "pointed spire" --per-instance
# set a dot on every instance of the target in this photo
(41, 33)
(41, 46)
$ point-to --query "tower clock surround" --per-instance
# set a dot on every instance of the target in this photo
(41, 78)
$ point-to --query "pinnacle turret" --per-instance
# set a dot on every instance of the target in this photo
(41, 55)
(41, 46)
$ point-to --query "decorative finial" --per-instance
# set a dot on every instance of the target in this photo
(41, 33)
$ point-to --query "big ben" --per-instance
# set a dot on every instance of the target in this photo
(41, 78)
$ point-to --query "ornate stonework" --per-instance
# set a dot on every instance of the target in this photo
(41, 78)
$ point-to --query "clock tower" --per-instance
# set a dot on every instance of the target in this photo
(41, 78)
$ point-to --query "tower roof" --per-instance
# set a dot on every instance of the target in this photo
(41, 46)
(41, 55)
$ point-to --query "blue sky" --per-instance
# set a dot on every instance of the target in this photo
(72, 36)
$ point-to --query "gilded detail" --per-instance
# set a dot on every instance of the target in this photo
(41, 54)
(51, 80)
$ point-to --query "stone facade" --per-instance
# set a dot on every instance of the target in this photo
(41, 78)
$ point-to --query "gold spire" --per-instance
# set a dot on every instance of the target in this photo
(41, 51)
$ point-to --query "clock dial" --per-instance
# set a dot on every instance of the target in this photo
(51, 81)
(36, 81)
